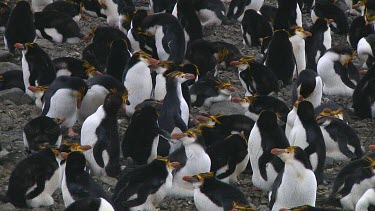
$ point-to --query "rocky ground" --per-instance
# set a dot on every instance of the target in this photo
(17, 109)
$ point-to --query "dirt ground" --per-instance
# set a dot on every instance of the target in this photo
(13, 118)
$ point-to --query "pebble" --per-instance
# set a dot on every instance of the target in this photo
(4, 66)
(15, 95)
(263, 208)
(5, 55)
(7, 207)
(227, 108)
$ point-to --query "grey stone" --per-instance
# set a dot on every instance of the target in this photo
(108, 180)
(15, 95)
(5, 55)
(263, 208)
(45, 44)
(227, 108)
(7, 207)
(4, 66)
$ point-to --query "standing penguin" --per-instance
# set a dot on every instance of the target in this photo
(211, 194)
(160, 80)
(136, 39)
(211, 12)
(318, 43)
(288, 14)
(280, 58)
(327, 9)
(309, 86)
(39, 5)
(367, 201)
(20, 27)
(137, 79)
(265, 136)
(62, 99)
(100, 131)
(111, 10)
(76, 182)
(237, 8)
(298, 43)
(306, 134)
(144, 187)
(189, 20)
(118, 57)
(363, 96)
(96, 55)
(37, 66)
(169, 36)
(295, 185)
(93, 204)
(254, 28)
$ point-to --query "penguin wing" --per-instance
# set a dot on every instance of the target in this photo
(344, 74)
(40, 185)
(265, 158)
(341, 137)
(275, 188)
(77, 191)
(147, 188)
(180, 123)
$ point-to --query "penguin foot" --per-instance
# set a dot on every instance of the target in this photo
(71, 133)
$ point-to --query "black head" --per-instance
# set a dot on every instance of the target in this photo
(138, 17)
(281, 35)
(119, 44)
(22, 6)
(321, 24)
(267, 119)
(112, 103)
(293, 153)
(305, 111)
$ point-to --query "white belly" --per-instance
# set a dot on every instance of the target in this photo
(203, 203)
(63, 104)
(56, 36)
(349, 201)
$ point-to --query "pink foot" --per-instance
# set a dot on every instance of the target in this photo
(71, 133)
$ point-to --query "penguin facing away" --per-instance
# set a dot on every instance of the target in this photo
(118, 57)
(358, 29)
(94, 204)
(12, 79)
(96, 55)
(331, 11)
(189, 20)
(366, 202)
(161, 6)
(254, 28)
(309, 86)
(363, 96)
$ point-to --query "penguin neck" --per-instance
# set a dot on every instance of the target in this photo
(332, 56)
(174, 90)
(295, 168)
(109, 112)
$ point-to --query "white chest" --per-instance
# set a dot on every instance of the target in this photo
(203, 203)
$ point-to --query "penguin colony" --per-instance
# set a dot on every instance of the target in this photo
(154, 65)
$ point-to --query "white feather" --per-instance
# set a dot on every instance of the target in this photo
(366, 200)
(63, 104)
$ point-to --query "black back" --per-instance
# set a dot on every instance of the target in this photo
(75, 66)
(307, 81)
(106, 35)
(4, 13)
(107, 81)
(96, 54)
(11, 79)
(363, 96)
(68, 8)
(189, 19)
(118, 57)
(201, 53)
(163, 6)
(331, 11)
(256, 26)
(286, 15)
(264, 102)
(358, 29)
(233, 53)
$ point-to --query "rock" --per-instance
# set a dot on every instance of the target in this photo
(43, 43)
(108, 180)
(5, 55)
(15, 95)
(4, 66)
(7, 207)
(263, 208)
(226, 108)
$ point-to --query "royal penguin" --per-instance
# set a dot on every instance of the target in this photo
(254, 28)
(306, 134)
(280, 58)
(317, 44)
(205, 92)
(353, 180)
(308, 85)
(174, 115)
(70, 66)
(76, 182)
(189, 20)
(35, 178)
(296, 184)
(144, 188)
(93, 9)
(159, 79)
(298, 43)
(327, 9)
(202, 54)
(71, 9)
(42, 131)
(341, 140)
(288, 14)
(39, 5)
(265, 136)
(211, 194)
(363, 96)
(224, 54)
(256, 78)
(96, 55)
(37, 66)
(161, 6)
(94, 204)
(12, 79)
(137, 79)
(269, 12)
(118, 57)
(20, 26)
(358, 29)
(365, 50)
(366, 202)
(229, 157)
(38, 92)
(5, 11)
(193, 159)
(238, 8)
(106, 35)
(211, 13)
(331, 109)
(335, 70)
(99, 87)
(100, 131)
(168, 34)
(62, 99)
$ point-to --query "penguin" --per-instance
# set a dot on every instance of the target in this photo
(296, 184)
(76, 182)
(118, 57)
(341, 140)
(70, 66)
(20, 26)
(336, 71)
(136, 39)
(224, 54)
(96, 54)
(308, 85)
(99, 87)
(159, 79)
(363, 96)
(94, 204)
(254, 28)
(106, 35)
(71, 9)
(192, 69)
(306, 134)
(269, 12)
(318, 43)
(212, 194)
(12, 79)
(288, 14)
(163, 6)
(193, 159)
(62, 99)
(144, 188)
(100, 131)
(189, 20)
(39, 5)
(256, 78)
(111, 10)
(254, 105)
(212, 134)
(211, 13)
(42, 131)
(366, 202)
(137, 79)
(265, 136)
(5, 11)
(229, 157)
(298, 43)
(353, 180)
(308, 208)
(364, 49)
(202, 53)
(330, 11)
(57, 27)
(37, 66)
(35, 178)
(168, 34)
(331, 109)
(237, 8)
(358, 29)
(280, 58)
(205, 92)
(174, 115)
(38, 93)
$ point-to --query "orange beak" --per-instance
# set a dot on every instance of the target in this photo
(175, 165)
(356, 6)
(202, 118)
(178, 135)
(277, 151)
(32, 88)
(372, 147)
(153, 61)
(308, 34)
(19, 46)
(235, 63)
(189, 76)
(87, 38)
(231, 89)
(189, 179)
(237, 99)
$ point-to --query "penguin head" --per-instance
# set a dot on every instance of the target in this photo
(371, 163)
(163, 66)
(124, 98)
(22, 6)
(359, 4)
(281, 34)
(169, 164)
(38, 91)
(243, 63)
(371, 147)
(192, 69)
(31, 46)
(112, 103)
(267, 119)
(198, 179)
(292, 153)
(146, 58)
(246, 101)
(222, 55)
(127, 16)
(321, 24)
(224, 88)
(345, 53)
(138, 17)
(90, 70)
(180, 77)
(187, 137)
(211, 120)
(327, 114)
(299, 31)
(76, 162)
(305, 111)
